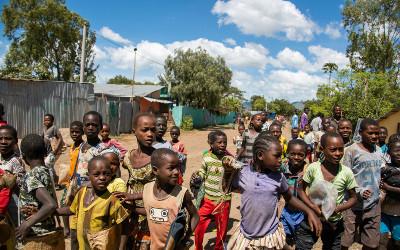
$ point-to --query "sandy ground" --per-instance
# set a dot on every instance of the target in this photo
(195, 143)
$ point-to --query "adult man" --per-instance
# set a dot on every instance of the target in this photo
(336, 116)
(295, 120)
(304, 118)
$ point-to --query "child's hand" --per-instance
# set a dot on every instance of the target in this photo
(317, 210)
(366, 194)
(127, 197)
(314, 223)
(28, 211)
(22, 231)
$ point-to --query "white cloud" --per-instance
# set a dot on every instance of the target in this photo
(111, 35)
(269, 18)
(293, 59)
(230, 41)
(333, 30)
(324, 55)
(99, 53)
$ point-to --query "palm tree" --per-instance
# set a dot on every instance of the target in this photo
(329, 68)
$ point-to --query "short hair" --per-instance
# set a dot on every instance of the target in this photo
(298, 142)
(49, 115)
(336, 106)
(275, 124)
(263, 143)
(326, 136)
(12, 130)
(95, 113)
(330, 126)
(254, 116)
(139, 116)
(368, 122)
(158, 156)
(294, 129)
(95, 159)
(33, 147)
(175, 128)
(161, 116)
(106, 124)
(78, 124)
(212, 136)
(306, 108)
(392, 140)
(345, 120)
(383, 127)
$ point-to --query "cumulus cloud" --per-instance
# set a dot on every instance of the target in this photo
(108, 33)
(324, 55)
(230, 41)
(269, 18)
(333, 30)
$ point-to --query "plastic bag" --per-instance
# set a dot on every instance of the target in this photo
(324, 194)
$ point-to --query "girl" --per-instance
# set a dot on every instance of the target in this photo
(177, 145)
(105, 138)
(261, 185)
(245, 154)
(116, 183)
(216, 202)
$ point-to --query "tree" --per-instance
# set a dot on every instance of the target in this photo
(373, 31)
(330, 68)
(197, 79)
(120, 79)
(45, 41)
(282, 107)
(231, 104)
(258, 103)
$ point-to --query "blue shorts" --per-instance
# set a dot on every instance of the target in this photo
(390, 224)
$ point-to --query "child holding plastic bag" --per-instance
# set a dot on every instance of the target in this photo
(324, 178)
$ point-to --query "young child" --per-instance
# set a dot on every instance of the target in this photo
(245, 154)
(52, 134)
(295, 133)
(164, 198)
(342, 179)
(37, 230)
(293, 170)
(345, 130)
(105, 138)
(216, 202)
(238, 140)
(2, 121)
(325, 122)
(99, 213)
(309, 139)
(116, 184)
(161, 129)
(276, 130)
(365, 159)
(261, 185)
(177, 145)
(330, 129)
(383, 133)
(390, 222)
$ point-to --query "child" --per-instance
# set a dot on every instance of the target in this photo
(116, 184)
(345, 130)
(261, 185)
(383, 133)
(37, 230)
(245, 154)
(51, 134)
(276, 130)
(390, 223)
(164, 198)
(309, 138)
(342, 179)
(238, 140)
(177, 145)
(317, 135)
(295, 133)
(216, 202)
(99, 213)
(2, 121)
(330, 129)
(161, 129)
(105, 138)
(293, 170)
(365, 159)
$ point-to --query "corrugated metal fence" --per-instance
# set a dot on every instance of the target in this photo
(26, 102)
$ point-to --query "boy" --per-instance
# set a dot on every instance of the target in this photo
(295, 120)
(105, 138)
(238, 140)
(164, 198)
(276, 130)
(365, 159)
(317, 135)
(345, 130)
(383, 134)
(177, 145)
(295, 133)
(161, 129)
(51, 134)
(245, 154)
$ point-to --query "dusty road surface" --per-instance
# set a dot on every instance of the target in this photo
(195, 143)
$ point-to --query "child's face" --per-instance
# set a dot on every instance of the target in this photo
(114, 162)
(257, 122)
(275, 131)
(325, 123)
(161, 126)
(219, 146)
(100, 175)
(345, 129)
(240, 130)
(296, 155)
(76, 133)
(91, 126)
(330, 129)
(145, 131)
(47, 121)
(370, 135)
(7, 142)
(272, 158)
(395, 153)
(334, 150)
(295, 133)
(307, 129)
(174, 134)
(382, 135)
(105, 132)
(168, 172)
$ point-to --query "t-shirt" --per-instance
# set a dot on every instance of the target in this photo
(366, 167)
(248, 140)
(316, 124)
(309, 138)
(117, 185)
(343, 181)
(38, 177)
(391, 203)
(295, 121)
(238, 141)
(14, 166)
(303, 120)
(260, 193)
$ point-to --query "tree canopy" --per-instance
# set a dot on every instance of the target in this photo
(120, 79)
(196, 78)
(258, 103)
(45, 41)
(282, 107)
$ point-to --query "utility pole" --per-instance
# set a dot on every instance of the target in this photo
(82, 72)
(134, 70)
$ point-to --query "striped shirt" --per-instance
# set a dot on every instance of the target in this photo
(212, 172)
(247, 144)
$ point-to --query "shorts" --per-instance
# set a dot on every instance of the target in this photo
(362, 227)
(391, 224)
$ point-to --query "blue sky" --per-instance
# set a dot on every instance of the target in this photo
(275, 48)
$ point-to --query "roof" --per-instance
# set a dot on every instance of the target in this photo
(395, 110)
(157, 100)
(119, 90)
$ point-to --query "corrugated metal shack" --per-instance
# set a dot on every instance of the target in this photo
(26, 102)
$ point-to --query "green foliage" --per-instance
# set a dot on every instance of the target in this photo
(197, 79)
(258, 103)
(231, 104)
(330, 68)
(281, 107)
(373, 32)
(187, 123)
(120, 79)
(45, 41)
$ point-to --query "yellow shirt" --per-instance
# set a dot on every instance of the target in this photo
(284, 144)
(116, 185)
(104, 212)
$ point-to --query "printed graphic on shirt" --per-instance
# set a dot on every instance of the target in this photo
(159, 214)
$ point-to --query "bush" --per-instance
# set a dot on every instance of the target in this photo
(187, 123)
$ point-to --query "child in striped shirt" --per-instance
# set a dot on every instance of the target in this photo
(245, 154)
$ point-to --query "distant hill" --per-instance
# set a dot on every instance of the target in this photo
(298, 105)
